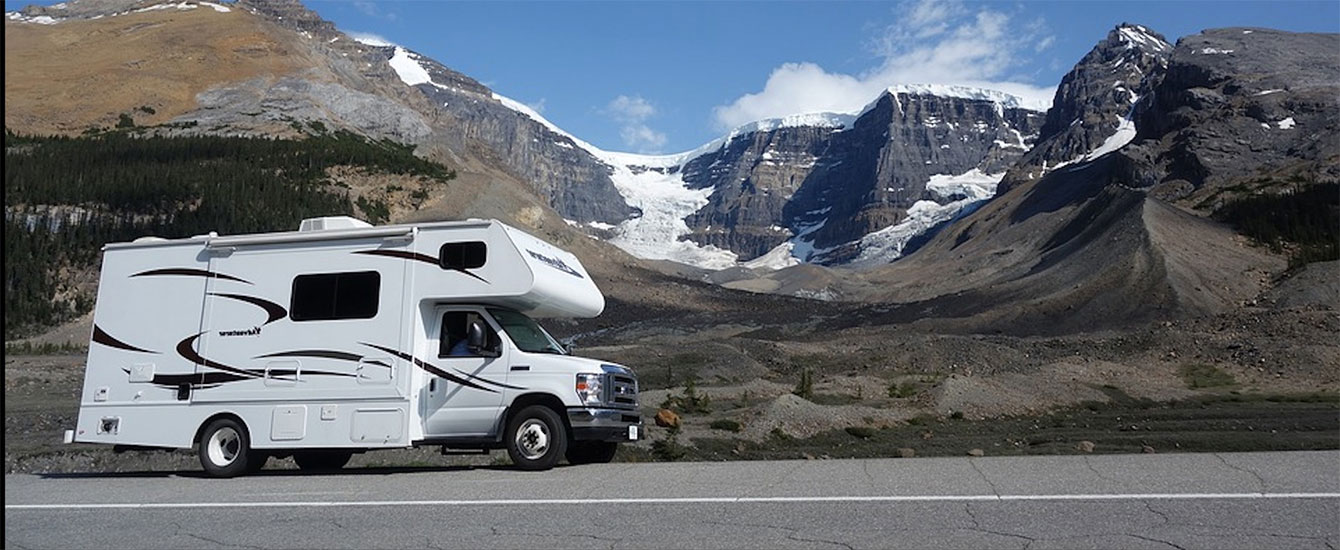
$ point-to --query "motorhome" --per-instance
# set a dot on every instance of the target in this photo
(341, 338)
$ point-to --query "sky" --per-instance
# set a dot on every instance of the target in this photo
(663, 77)
(668, 76)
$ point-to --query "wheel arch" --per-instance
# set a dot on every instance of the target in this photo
(200, 431)
(548, 400)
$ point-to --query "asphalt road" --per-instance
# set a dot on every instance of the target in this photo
(1245, 500)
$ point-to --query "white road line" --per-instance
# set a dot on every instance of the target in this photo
(685, 500)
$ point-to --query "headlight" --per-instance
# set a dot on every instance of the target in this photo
(588, 389)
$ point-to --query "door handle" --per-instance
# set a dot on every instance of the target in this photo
(432, 385)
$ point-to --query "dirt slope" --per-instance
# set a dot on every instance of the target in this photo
(67, 77)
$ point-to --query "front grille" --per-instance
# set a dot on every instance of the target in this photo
(622, 390)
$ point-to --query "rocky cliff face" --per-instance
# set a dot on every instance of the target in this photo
(820, 186)
(1241, 111)
(468, 119)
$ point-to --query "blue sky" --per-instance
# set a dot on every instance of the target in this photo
(668, 76)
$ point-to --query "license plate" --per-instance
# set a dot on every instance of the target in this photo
(632, 433)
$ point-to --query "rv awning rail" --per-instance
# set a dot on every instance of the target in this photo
(405, 232)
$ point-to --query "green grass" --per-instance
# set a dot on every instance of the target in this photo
(1199, 375)
(1216, 423)
(45, 348)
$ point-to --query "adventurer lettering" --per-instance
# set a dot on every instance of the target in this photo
(555, 263)
(253, 331)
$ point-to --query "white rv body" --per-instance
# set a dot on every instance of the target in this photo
(336, 337)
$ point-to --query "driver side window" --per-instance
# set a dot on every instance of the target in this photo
(454, 340)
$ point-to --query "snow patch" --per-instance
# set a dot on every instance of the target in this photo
(217, 7)
(180, 6)
(38, 19)
(665, 200)
(1212, 51)
(408, 68)
(973, 184)
(1286, 123)
(1268, 92)
(368, 39)
(780, 257)
(1124, 134)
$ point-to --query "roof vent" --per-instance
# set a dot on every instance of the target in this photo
(332, 222)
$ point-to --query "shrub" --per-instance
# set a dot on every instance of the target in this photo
(904, 390)
(669, 449)
(805, 387)
(862, 432)
(726, 425)
(690, 401)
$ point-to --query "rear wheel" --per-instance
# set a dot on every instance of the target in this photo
(536, 438)
(225, 449)
(322, 460)
(591, 452)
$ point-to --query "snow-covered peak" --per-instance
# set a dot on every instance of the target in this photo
(815, 120)
(1138, 35)
(1001, 99)
(967, 92)
(59, 13)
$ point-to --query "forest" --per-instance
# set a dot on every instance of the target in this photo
(65, 197)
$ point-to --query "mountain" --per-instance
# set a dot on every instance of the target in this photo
(1092, 112)
(1126, 233)
(1142, 146)
(825, 188)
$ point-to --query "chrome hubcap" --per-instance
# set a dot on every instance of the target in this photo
(223, 446)
(532, 439)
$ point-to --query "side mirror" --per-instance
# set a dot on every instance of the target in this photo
(477, 340)
(568, 347)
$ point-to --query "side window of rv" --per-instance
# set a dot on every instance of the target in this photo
(332, 296)
(466, 255)
(455, 330)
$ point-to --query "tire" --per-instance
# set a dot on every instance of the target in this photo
(225, 449)
(536, 438)
(317, 461)
(591, 452)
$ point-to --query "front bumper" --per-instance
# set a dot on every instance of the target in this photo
(613, 425)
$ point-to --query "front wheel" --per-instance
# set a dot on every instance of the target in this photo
(536, 438)
(591, 452)
(225, 449)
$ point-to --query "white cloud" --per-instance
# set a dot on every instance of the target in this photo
(538, 106)
(632, 114)
(630, 108)
(932, 43)
(372, 9)
(370, 38)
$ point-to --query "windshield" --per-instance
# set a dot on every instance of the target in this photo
(526, 333)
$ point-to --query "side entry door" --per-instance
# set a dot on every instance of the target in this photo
(465, 394)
